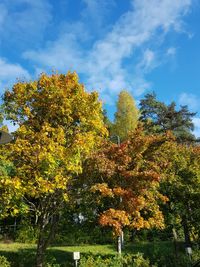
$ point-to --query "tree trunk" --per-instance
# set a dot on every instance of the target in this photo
(46, 234)
(40, 255)
(186, 232)
(41, 248)
(175, 241)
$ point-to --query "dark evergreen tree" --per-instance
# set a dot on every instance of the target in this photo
(159, 117)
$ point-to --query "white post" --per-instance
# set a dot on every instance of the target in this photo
(119, 245)
(76, 257)
(122, 238)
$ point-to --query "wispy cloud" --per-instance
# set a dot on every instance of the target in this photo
(196, 122)
(102, 64)
(24, 21)
(190, 100)
(9, 72)
(148, 61)
(22, 24)
(96, 13)
(171, 51)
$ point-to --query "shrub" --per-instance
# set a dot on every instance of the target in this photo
(136, 260)
(25, 257)
(51, 262)
(4, 262)
(26, 234)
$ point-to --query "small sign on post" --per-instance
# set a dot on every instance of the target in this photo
(189, 253)
(189, 250)
(76, 257)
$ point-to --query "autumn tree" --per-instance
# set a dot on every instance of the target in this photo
(159, 117)
(59, 125)
(126, 116)
(9, 201)
(125, 181)
(183, 190)
(107, 122)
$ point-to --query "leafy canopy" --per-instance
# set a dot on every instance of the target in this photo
(126, 116)
(159, 117)
(59, 124)
(125, 181)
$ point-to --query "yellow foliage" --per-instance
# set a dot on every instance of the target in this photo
(59, 125)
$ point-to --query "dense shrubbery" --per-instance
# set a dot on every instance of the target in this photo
(154, 255)
(83, 234)
(116, 261)
(26, 234)
(4, 262)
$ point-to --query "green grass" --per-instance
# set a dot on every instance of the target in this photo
(15, 247)
(16, 251)
(94, 249)
(22, 255)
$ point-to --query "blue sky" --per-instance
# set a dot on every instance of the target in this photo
(138, 45)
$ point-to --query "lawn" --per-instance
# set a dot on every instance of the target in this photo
(22, 255)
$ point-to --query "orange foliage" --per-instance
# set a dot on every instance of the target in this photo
(131, 174)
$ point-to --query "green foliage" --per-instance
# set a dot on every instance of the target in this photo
(196, 255)
(126, 117)
(160, 254)
(183, 191)
(159, 117)
(59, 125)
(25, 257)
(4, 262)
(74, 229)
(9, 195)
(115, 261)
(26, 234)
(82, 234)
(1, 115)
(107, 122)
(51, 262)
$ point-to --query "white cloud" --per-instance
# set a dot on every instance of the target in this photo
(24, 21)
(103, 65)
(96, 12)
(63, 54)
(149, 57)
(190, 100)
(9, 72)
(196, 122)
(171, 51)
(148, 61)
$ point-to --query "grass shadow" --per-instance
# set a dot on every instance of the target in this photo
(22, 256)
